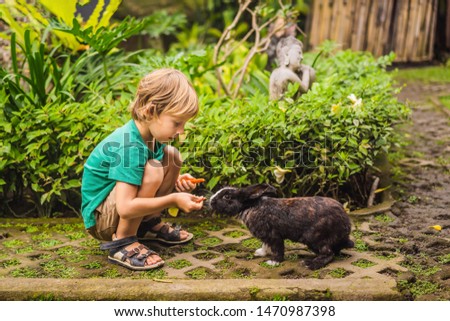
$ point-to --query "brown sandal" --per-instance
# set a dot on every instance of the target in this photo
(164, 236)
(132, 259)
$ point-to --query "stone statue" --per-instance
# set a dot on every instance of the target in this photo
(289, 29)
(291, 69)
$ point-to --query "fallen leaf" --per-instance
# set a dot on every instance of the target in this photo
(173, 211)
(162, 280)
(382, 189)
(436, 227)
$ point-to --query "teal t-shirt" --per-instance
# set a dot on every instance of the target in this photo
(119, 157)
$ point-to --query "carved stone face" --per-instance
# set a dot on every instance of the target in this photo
(294, 57)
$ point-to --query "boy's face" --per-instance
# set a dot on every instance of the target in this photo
(167, 127)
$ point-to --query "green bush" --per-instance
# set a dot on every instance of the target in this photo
(324, 139)
(46, 134)
(57, 107)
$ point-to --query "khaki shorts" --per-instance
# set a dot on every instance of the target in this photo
(106, 218)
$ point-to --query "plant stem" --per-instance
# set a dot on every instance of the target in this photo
(105, 70)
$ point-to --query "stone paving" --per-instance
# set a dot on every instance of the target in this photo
(217, 264)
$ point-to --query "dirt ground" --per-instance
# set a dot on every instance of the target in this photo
(421, 185)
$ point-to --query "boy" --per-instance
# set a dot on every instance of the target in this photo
(129, 177)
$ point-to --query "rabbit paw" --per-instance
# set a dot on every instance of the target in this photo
(318, 262)
(263, 251)
(314, 264)
(272, 263)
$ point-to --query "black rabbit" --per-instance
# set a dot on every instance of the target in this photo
(321, 223)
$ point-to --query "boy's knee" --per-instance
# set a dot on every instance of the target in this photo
(172, 156)
(153, 173)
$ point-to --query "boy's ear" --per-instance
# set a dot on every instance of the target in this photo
(149, 111)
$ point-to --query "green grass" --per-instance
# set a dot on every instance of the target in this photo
(338, 273)
(383, 218)
(224, 264)
(363, 263)
(90, 243)
(444, 259)
(242, 273)
(3, 255)
(12, 244)
(111, 273)
(235, 234)
(360, 245)
(179, 264)
(41, 237)
(56, 269)
(93, 265)
(49, 243)
(71, 254)
(44, 256)
(76, 235)
(27, 249)
(153, 274)
(252, 243)
(445, 100)
(25, 272)
(420, 269)
(418, 288)
(9, 263)
(32, 229)
(440, 74)
(206, 256)
(385, 256)
(198, 273)
(211, 241)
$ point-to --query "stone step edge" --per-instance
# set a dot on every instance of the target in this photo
(23, 289)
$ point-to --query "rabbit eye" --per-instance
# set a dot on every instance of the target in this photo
(227, 197)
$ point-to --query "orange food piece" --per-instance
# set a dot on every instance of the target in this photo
(194, 180)
(201, 200)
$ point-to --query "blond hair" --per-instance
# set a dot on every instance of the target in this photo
(164, 90)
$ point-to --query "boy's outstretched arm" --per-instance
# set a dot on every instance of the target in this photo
(130, 206)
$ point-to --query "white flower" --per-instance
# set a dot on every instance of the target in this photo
(280, 173)
(357, 102)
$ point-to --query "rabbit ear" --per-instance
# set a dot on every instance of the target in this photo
(259, 190)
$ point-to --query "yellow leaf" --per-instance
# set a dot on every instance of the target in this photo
(335, 109)
(62, 9)
(382, 189)
(279, 174)
(182, 137)
(436, 227)
(173, 211)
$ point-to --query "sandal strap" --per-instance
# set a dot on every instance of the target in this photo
(118, 243)
(148, 225)
(133, 255)
(137, 251)
(172, 236)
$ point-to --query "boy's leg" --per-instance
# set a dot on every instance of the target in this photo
(151, 182)
(171, 165)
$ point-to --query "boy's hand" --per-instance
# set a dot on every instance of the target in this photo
(188, 202)
(185, 183)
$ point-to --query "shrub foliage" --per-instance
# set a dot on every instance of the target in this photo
(57, 106)
(324, 140)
